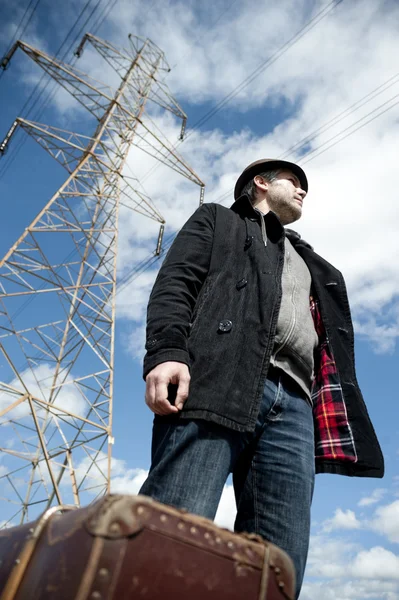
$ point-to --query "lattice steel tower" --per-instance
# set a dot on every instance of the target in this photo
(57, 364)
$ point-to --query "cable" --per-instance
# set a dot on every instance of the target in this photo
(136, 272)
(19, 33)
(146, 263)
(29, 300)
(131, 275)
(265, 65)
(354, 131)
(71, 45)
(345, 113)
(103, 16)
(316, 150)
(196, 39)
(127, 279)
(22, 142)
(98, 23)
(21, 29)
(38, 115)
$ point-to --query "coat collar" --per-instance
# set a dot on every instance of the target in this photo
(296, 239)
(243, 207)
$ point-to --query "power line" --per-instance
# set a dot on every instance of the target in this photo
(147, 263)
(316, 150)
(151, 259)
(144, 265)
(302, 32)
(37, 87)
(29, 300)
(22, 28)
(345, 113)
(356, 129)
(196, 39)
(267, 63)
(103, 16)
(263, 67)
(71, 45)
(97, 25)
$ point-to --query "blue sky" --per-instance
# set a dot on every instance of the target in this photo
(350, 215)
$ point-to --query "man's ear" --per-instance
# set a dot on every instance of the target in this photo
(261, 184)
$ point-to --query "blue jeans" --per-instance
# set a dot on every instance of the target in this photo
(272, 467)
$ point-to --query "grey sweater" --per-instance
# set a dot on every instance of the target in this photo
(296, 338)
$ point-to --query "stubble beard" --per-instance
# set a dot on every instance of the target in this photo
(284, 205)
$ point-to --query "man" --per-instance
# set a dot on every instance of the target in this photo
(250, 365)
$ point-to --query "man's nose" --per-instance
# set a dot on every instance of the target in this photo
(301, 192)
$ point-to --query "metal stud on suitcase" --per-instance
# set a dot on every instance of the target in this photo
(125, 547)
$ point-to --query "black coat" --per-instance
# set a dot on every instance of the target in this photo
(214, 307)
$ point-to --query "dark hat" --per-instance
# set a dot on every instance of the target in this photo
(268, 164)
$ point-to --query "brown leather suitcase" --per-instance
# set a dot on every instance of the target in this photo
(125, 547)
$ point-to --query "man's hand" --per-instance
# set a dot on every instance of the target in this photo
(157, 381)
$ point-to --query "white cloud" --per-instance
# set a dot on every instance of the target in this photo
(134, 342)
(329, 556)
(353, 589)
(38, 381)
(339, 568)
(132, 299)
(342, 520)
(345, 568)
(357, 166)
(227, 509)
(374, 497)
(386, 521)
(211, 60)
(126, 481)
(373, 284)
(377, 563)
(351, 194)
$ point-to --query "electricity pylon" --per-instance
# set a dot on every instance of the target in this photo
(59, 282)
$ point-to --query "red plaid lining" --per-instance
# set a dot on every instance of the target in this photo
(333, 434)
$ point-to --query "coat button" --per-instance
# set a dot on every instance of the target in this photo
(242, 283)
(225, 325)
(248, 241)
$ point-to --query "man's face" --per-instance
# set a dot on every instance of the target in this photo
(285, 197)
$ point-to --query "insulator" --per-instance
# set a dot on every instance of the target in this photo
(202, 194)
(4, 62)
(7, 57)
(160, 238)
(79, 50)
(183, 129)
(4, 143)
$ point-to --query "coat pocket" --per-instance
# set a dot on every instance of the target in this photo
(201, 301)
